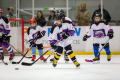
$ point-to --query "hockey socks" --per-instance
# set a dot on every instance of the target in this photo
(107, 49)
(8, 47)
(96, 51)
(33, 50)
(1, 49)
(40, 52)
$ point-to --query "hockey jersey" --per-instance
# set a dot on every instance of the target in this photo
(57, 31)
(4, 26)
(99, 32)
(34, 32)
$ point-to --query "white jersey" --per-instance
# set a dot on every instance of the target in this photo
(4, 26)
(99, 32)
(34, 32)
(57, 31)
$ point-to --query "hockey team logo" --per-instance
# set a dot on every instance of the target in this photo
(99, 34)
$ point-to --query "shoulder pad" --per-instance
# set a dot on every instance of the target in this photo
(103, 22)
(66, 18)
(5, 19)
(67, 21)
(53, 27)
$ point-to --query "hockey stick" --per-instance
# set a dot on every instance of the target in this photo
(98, 52)
(23, 56)
(4, 61)
(30, 64)
(49, 55)
(17, 50)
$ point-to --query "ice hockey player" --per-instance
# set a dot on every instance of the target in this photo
(101, 33)
(35, 35)
(62, 29)
(66, 58)
(5, 36)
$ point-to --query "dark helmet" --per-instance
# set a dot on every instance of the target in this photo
(97, 14)
(60, 15)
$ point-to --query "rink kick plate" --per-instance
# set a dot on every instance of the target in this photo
(83, 53)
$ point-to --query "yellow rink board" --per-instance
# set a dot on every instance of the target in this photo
(83, 53)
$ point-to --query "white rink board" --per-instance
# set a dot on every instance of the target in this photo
(78, 44)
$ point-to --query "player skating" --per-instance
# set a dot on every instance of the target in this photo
(35, 35)
(66, 58)
(101, 33)
(5, 36)
(62, 28)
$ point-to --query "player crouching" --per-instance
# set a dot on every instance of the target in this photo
(35, 35)
(5, 36)
(63, 30)
(101, 33)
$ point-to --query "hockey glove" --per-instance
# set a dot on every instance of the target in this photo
(110, 35)
(4, 36)
(40, 35)
(65, 35)
(52, 45)
(32, 43)
(85, 38)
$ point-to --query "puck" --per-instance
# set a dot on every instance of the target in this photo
(16, 68)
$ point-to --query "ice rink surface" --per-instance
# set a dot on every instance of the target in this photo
(64, 71)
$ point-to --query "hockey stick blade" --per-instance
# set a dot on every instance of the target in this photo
(89, 60)
(26, 64)
(28, 57)
(4, 62)
(15, 62)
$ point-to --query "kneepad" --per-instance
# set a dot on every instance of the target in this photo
(107, 45)
(59, 49)
(68, 49)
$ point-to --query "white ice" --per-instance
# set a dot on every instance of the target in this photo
(45, 71)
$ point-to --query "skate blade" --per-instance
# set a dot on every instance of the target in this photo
(78, 67)
(51, 61)
(12, 60)
(96, 62)
(41, 61)
(66, 61)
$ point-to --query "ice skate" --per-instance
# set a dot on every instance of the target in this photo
(66, 58)
(55, 63)
(77, 64)
(51, 60)
(33, 58)
(108, 57)
(96, 60)
(11, 56)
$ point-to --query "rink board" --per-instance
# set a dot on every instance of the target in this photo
(79, 46)
(83, 53)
